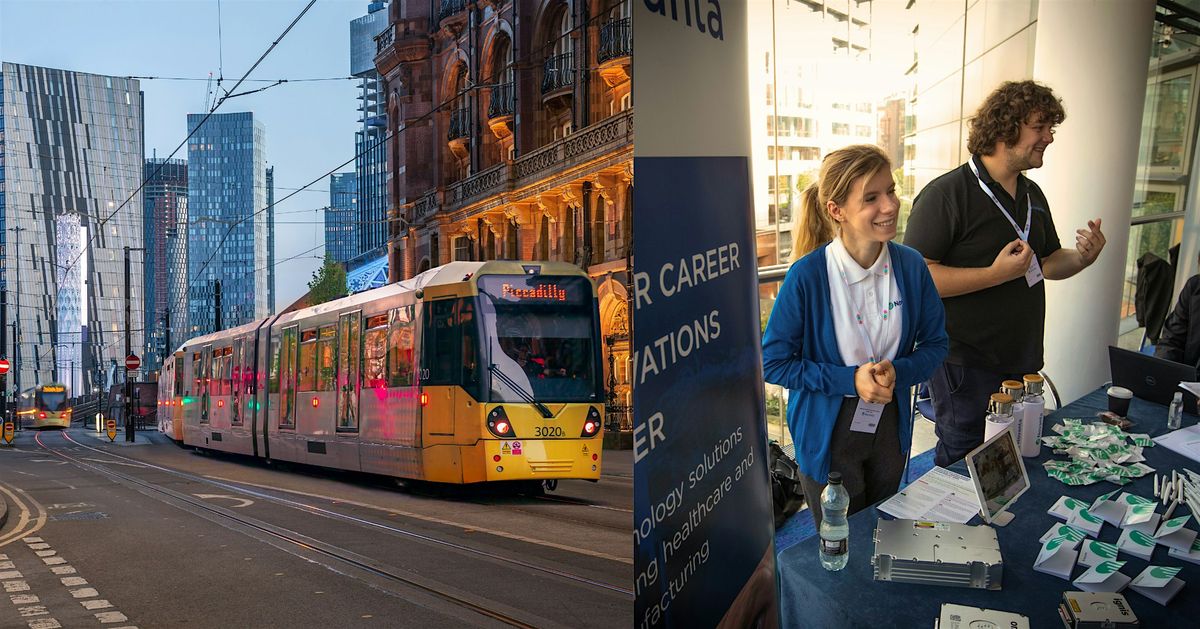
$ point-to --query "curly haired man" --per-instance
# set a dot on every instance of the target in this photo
(986, 233)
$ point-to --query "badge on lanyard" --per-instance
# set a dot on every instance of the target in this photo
(1033, 274)
(866, 416)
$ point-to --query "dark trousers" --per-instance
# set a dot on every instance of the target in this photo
(870, 464)
(960, 404)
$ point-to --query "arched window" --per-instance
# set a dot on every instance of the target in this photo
(502, 75)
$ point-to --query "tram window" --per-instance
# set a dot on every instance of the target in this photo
(306, 371)
(287, 418)
(400, 347)
(237, 377)
(197, 374)
(326, 367)
(470, 348)
(441, 343)
(177, 370)
(273, 370)
(375, 351)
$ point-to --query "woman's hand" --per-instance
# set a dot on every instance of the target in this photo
(867, 387)
(885, 374)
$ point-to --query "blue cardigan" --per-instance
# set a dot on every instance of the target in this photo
(800, 350)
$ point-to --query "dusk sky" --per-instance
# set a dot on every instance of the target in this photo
(310, 125)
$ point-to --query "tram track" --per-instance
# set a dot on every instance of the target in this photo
(312, 509)
(301, 542)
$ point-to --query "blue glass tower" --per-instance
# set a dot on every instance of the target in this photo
(227, 192)
(370, 165)
(341, 217)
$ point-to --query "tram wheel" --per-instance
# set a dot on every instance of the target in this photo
(550, 484)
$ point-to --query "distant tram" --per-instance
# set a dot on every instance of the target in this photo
(50, 408)
(467, 373)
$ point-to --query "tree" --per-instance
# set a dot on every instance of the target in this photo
(328, 282)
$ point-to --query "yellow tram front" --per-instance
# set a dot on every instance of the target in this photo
(511, 366)
(51, 406)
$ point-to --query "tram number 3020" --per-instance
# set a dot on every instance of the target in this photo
(548, 431)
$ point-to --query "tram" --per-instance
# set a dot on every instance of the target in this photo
(50, 408)
(472, 372)
(170, 400)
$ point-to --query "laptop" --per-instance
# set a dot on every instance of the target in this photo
(1151, 379)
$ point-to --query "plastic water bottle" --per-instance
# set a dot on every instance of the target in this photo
(1174, 418)
(835, 530)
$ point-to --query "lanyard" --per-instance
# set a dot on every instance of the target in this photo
(858, 310)
(988, 191)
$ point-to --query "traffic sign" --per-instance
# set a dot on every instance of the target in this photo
(8, 432)
(110, 426)
(132, 362)
(3, 366)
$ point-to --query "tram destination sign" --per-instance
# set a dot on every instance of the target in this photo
(539, 289)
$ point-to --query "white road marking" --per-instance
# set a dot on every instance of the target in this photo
(428, 518)
(38, 545)
(46, 553)
(24, 599)
(44, 623)
(11, 574)
(111, 617)
(54, 561)
(96, 603)
(63, 570)
(16, 586)
(73, 581)
(54, 461)
(33, 540)
(243, 502)
(68, 505)
(7, 565)
(112, 462)
(85, 593)
(33, 610)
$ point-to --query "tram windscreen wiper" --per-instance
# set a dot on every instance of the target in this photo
(520, 391)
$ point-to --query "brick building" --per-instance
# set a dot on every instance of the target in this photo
(510, 136)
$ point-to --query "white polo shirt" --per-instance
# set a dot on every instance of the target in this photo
(863, 301)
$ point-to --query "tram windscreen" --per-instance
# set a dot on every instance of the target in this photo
(53, 398)
(540, 332)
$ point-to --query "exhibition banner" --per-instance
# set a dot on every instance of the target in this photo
(703, 528)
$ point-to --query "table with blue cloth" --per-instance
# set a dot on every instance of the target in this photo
(814, 597)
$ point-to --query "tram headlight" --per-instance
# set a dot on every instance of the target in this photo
(592, 424)
(498, 424)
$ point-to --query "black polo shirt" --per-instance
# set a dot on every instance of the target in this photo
(954, 222)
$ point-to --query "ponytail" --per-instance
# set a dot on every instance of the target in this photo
(816, 226)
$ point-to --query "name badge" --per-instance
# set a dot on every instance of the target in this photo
(1033, 274)
(866, 416)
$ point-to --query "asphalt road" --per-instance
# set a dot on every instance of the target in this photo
(149, 534)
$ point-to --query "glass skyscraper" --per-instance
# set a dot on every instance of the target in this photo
(341, 217)
(71, 155)
(370, 165)
(164, 199)
(228, 230)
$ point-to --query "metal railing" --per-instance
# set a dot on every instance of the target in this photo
(503, 101)
(460, 124)
(616, 40)
(558, 72)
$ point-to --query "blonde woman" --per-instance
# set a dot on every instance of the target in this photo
(857, 322)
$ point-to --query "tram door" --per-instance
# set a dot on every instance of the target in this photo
(237, 382)
(349, 361)
(205, 382)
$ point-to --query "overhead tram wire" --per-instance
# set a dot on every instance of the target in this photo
(208, 115)
(95, 237)
(534, 53)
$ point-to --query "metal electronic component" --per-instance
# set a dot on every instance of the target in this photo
(937, 553)
(964, 617)
(1096, 610)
